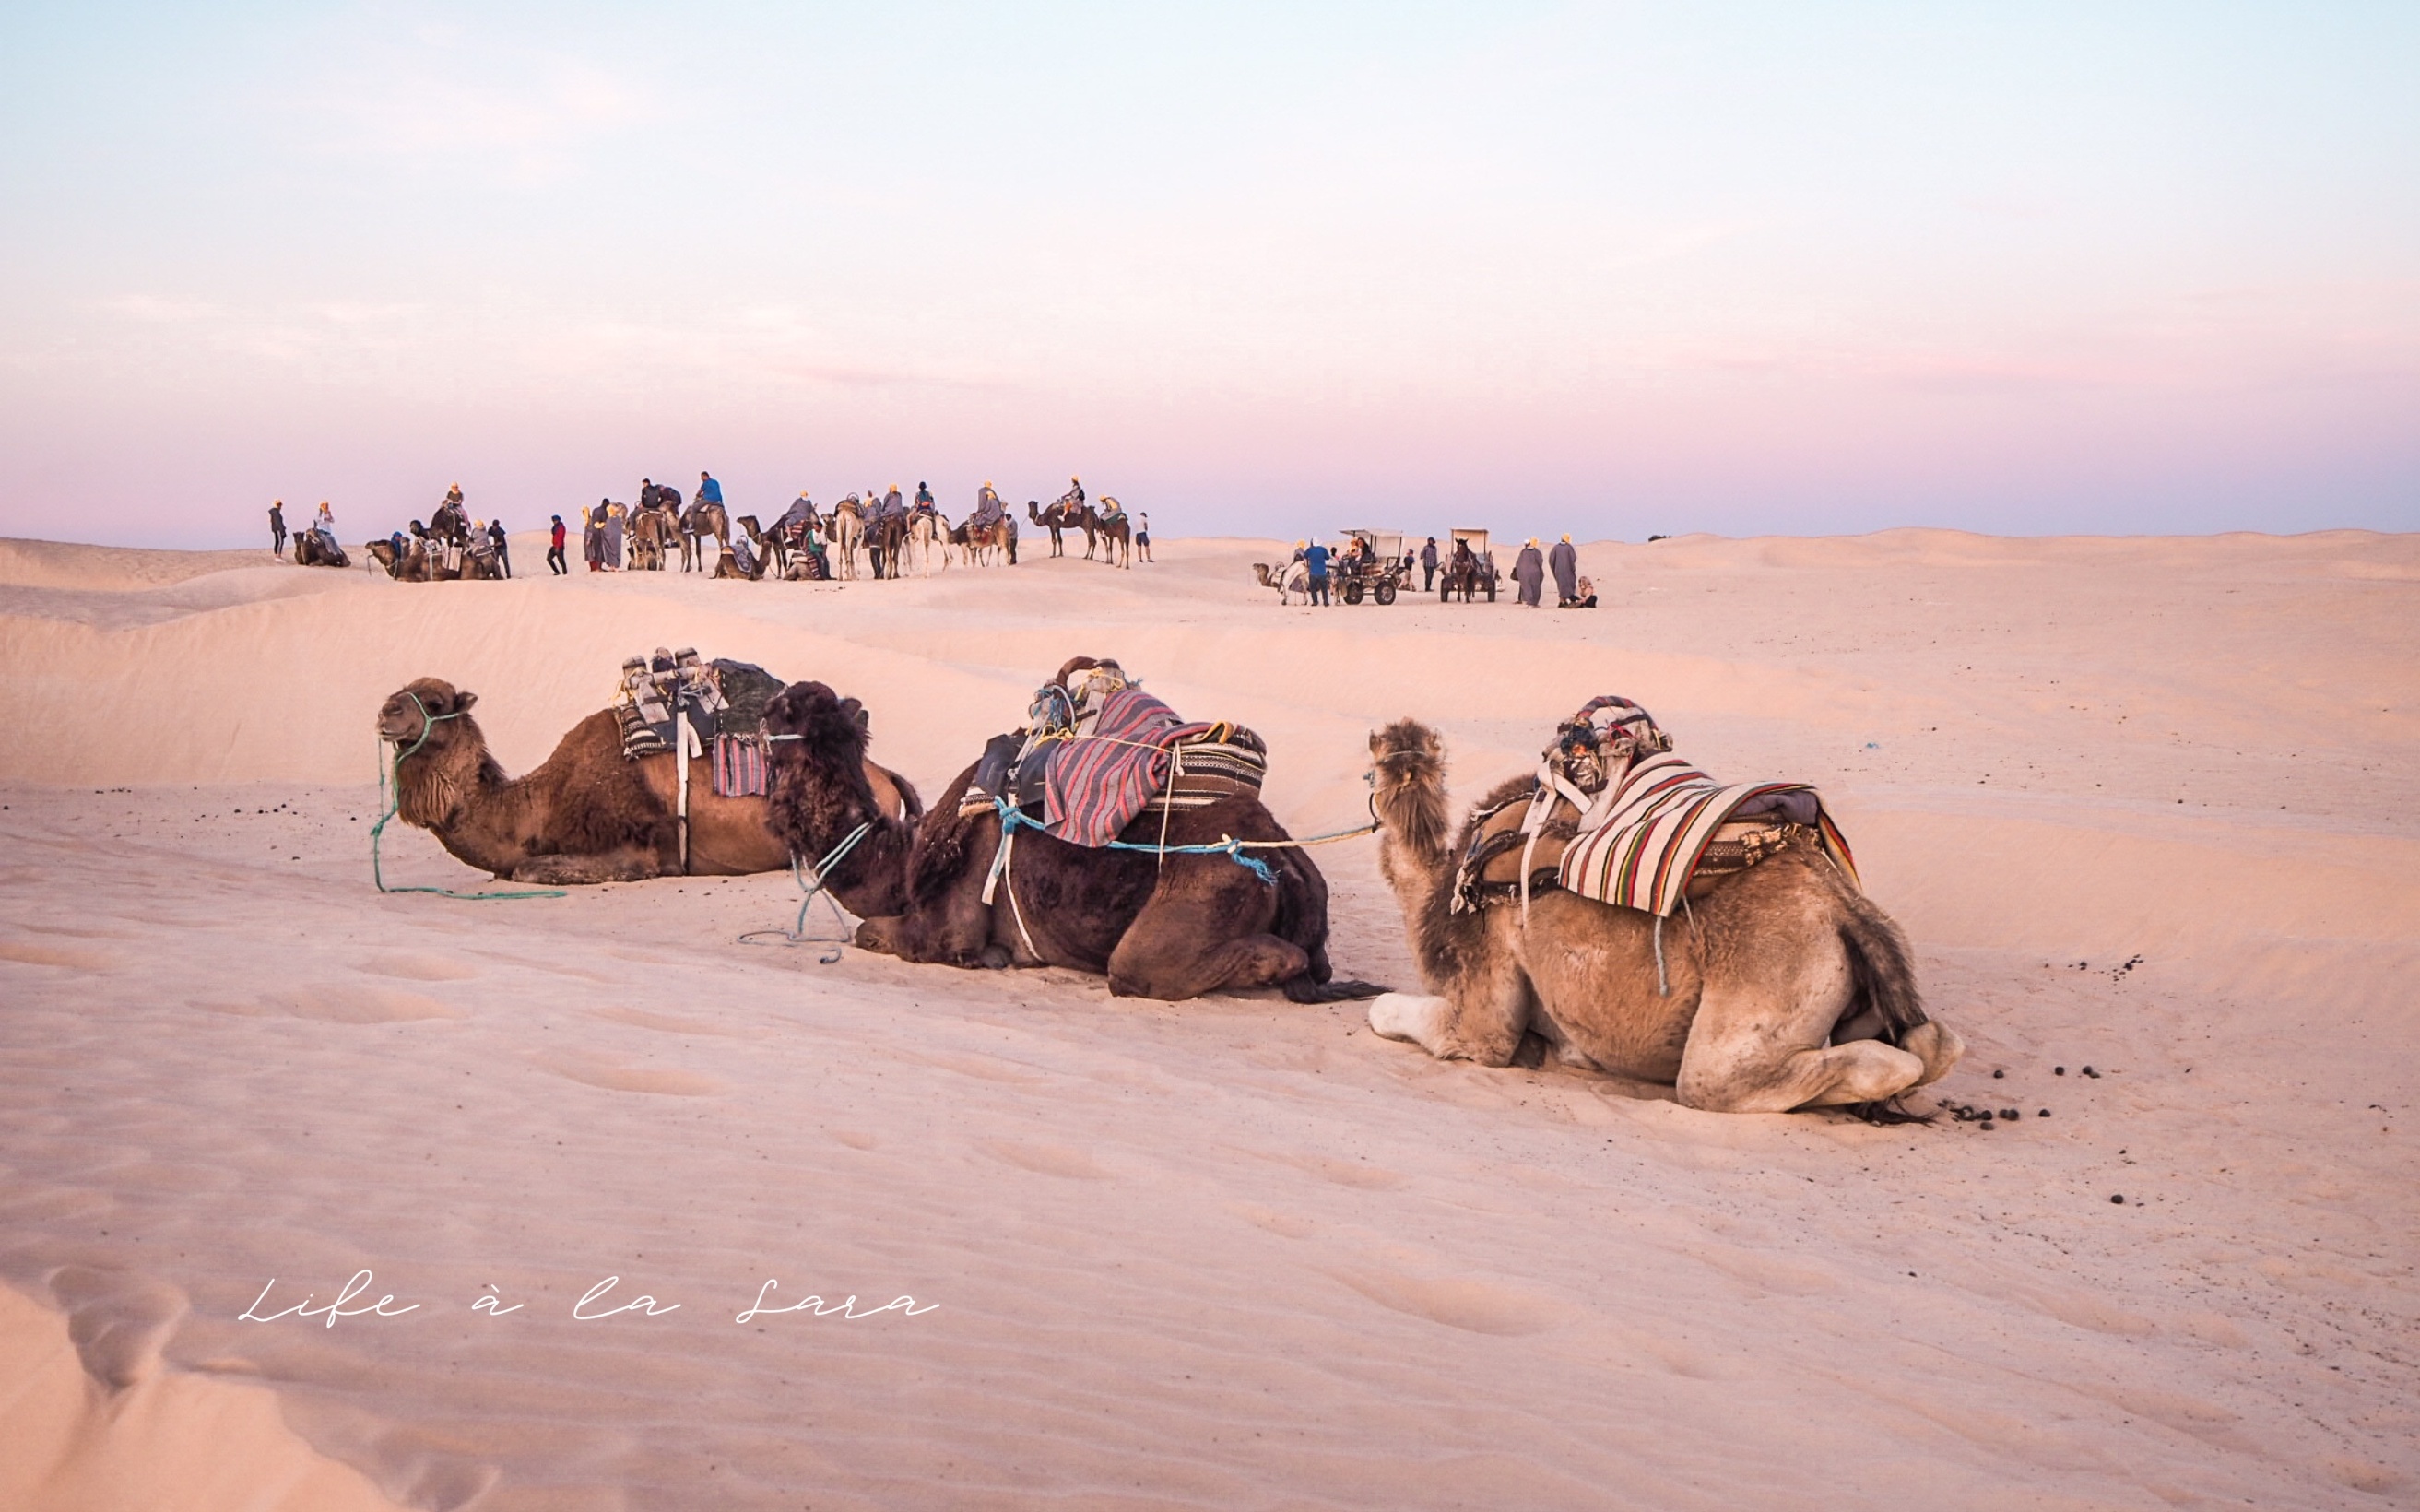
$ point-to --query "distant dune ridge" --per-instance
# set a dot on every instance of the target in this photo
(2143, 805)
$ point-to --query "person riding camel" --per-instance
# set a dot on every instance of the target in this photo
(708, 491)
(924, 505)
(989, 510)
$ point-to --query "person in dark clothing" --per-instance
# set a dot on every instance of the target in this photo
(924, 499)
(395, 544)
(554, 562)
(1429, 565)
(277, 528)
(496, 537)
(1315, 558)
(592, 536)
(1564, 562)
(1529, 570)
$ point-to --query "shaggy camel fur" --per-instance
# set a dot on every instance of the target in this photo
(586, 814)
(1199, 924)
(1788, 988)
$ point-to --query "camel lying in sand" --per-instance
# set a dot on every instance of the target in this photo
(587, 814)
(1200, 923)
(1788, 988)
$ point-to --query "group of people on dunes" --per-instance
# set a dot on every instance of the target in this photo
(877, 533)
(1774, 985)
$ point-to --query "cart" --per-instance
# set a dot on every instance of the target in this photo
(1376, 572)
(1480, 576)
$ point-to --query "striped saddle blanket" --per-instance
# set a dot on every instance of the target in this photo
(1646, 837)
(1137, 757)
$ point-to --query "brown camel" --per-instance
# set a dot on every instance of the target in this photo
(1786, 987)
(1117, 536)
(311, 549)
(586, 814)
(1198, 924)
(1063, 515)
(772, 556)
(653, 533)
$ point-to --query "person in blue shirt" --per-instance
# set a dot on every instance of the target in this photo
(708, 491)
(1315, 558)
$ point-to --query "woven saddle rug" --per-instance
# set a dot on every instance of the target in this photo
(1140, 752)
(1641, 842)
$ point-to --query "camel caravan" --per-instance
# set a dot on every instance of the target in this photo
(1617, 909)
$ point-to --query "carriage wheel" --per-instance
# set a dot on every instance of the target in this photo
(1352, 593)
(1384, 593)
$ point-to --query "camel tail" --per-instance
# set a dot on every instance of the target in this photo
(1882, 973)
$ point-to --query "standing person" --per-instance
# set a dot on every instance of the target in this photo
(613, 537)
(592, 536)
(1529, 570)
(1142, 536)
(554, 562)
(496, 539)
(1314, 557)
(1428, 567)
(277, 527)
(1565, 561)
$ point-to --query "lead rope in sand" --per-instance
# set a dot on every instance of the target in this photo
(390, 799)
(821, 872)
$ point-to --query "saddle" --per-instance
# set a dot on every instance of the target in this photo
(654, 687)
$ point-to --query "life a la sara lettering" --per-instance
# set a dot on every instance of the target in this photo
(597, 1304)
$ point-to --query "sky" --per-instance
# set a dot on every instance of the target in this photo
(1273, 269)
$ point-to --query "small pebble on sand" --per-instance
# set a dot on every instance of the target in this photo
(2119, 1199)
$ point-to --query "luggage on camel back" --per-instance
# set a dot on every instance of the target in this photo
(723, 700)
(1094, 757)
(1618, 818)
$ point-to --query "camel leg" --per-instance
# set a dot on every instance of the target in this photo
(1482, 1023)
(629, 864)
(1182, 944)
(1936, 1044)
(1758, 1046)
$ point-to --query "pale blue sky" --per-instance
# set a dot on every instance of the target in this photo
(1606, 268)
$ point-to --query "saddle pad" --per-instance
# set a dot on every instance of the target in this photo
(1661, 815)
(740, 769)
(1104, 778)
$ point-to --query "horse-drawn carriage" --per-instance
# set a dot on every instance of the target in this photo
(1475, 574)
(1372, 566)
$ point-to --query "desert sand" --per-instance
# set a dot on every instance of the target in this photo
(2142, 805)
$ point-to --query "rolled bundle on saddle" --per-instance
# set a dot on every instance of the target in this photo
(1615, 817)
(1093, 759)
(723, 700)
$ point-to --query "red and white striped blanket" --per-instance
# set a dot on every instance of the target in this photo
(1111, 772)
(1657, 822)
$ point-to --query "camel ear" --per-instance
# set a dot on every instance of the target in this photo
(464, 700)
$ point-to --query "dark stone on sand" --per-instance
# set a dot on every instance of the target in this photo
(1988, 1125)
(2044, 1113)
(2011, 1115)
(1996, 1075)
(2119, 1199)
(2059, 1070)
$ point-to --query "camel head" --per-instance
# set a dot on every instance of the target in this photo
(819, 789)
(831, 730)
(427, 706)
(1407, 785)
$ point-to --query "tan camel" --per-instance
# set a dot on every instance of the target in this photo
(587, 814)
(1786, 987)
(928, 537)
(846, 530)
(697, 523)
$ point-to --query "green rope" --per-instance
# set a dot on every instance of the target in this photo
(390, 799)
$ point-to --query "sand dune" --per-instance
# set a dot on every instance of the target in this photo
(2142, 805)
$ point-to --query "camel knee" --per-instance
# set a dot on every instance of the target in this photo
(1863, 1070)
(1413, 1018)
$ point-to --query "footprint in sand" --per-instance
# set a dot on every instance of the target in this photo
(73, 960)
(1050, 1160)
(352, 1002)
(118, 1320)
(613, 1076)
(670, 1024)
(1361, 1174)
(1476, 1306)
(424, 967)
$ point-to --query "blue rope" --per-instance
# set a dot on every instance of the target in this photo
(1012, 819)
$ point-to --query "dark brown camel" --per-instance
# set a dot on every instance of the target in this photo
(1196, 924)
(1116, 534)
(1063, 515)
(586, 814)
(311, 549)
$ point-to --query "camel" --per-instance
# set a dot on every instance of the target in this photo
(771, 555)
(311, 549)
(846, 530)
(1064, 514)
(1197, 924)
(928, 537)
(884, 538)
(979, 542)
(1290, 579)
(1117, 536)
(697, 523)
(1788, 988)
(653, 532)
(586, 814)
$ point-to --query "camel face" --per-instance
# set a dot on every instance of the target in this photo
(403, 721)
(827, 724)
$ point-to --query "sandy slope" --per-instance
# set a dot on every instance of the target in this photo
(1234, 1253)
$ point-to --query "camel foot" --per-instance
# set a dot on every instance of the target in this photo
(1936, 1044)
(1409, 1017)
